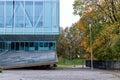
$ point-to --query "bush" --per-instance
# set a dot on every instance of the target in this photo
(1, 68)
(116, 48)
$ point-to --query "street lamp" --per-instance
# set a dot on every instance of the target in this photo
(91, 52)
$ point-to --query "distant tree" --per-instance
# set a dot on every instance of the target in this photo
(69, 42)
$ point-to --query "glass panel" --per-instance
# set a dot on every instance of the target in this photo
(17, 46)
(48, 17)
(46, 44)
(28, 13)
(54, 15)
(9, 14)
(22, 45)
(12, 46)
(36, 45)
(31, 47)
(51, 45)
(0, 46)
(41, 44)
(1, 14)
(47, 14)
(19, 14)
(39, 24)
(38, 14)
(26, 46)
(31, 44)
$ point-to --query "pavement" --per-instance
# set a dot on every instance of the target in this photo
(60, 74)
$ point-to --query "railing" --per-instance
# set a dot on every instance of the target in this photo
(102, 64)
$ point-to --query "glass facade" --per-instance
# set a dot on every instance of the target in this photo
(28, 46)
(28, 32)
(29, 17)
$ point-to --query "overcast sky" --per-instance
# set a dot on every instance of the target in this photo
(66, 13)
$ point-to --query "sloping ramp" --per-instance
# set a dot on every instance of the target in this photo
(17, 59)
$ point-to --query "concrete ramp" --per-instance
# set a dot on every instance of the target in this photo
(18, 59)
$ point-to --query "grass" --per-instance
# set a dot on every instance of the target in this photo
(67, 62)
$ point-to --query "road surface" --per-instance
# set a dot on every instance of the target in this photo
(59, 74)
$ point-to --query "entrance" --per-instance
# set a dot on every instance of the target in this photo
(31, 46)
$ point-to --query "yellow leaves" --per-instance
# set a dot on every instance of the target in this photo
(109, 32)
(88, 49)
(85, 41)
(82, 24)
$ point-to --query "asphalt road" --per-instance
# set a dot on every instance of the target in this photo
(59, 74)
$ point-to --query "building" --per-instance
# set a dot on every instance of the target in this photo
(28, 32)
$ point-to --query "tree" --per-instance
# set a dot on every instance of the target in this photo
(106, 25)
(69, 42)
(61, 43)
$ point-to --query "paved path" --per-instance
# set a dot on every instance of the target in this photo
(60, 74)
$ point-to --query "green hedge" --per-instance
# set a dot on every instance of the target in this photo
(63, 61)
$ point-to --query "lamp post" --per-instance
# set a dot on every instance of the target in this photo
(91, 52)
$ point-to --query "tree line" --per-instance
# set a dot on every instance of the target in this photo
(104, 17)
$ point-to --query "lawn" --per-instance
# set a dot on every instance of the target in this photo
(63, 61)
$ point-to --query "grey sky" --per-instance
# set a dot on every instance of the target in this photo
(66, 13)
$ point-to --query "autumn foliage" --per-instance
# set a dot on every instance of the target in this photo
(105, 27)
(104, 16)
